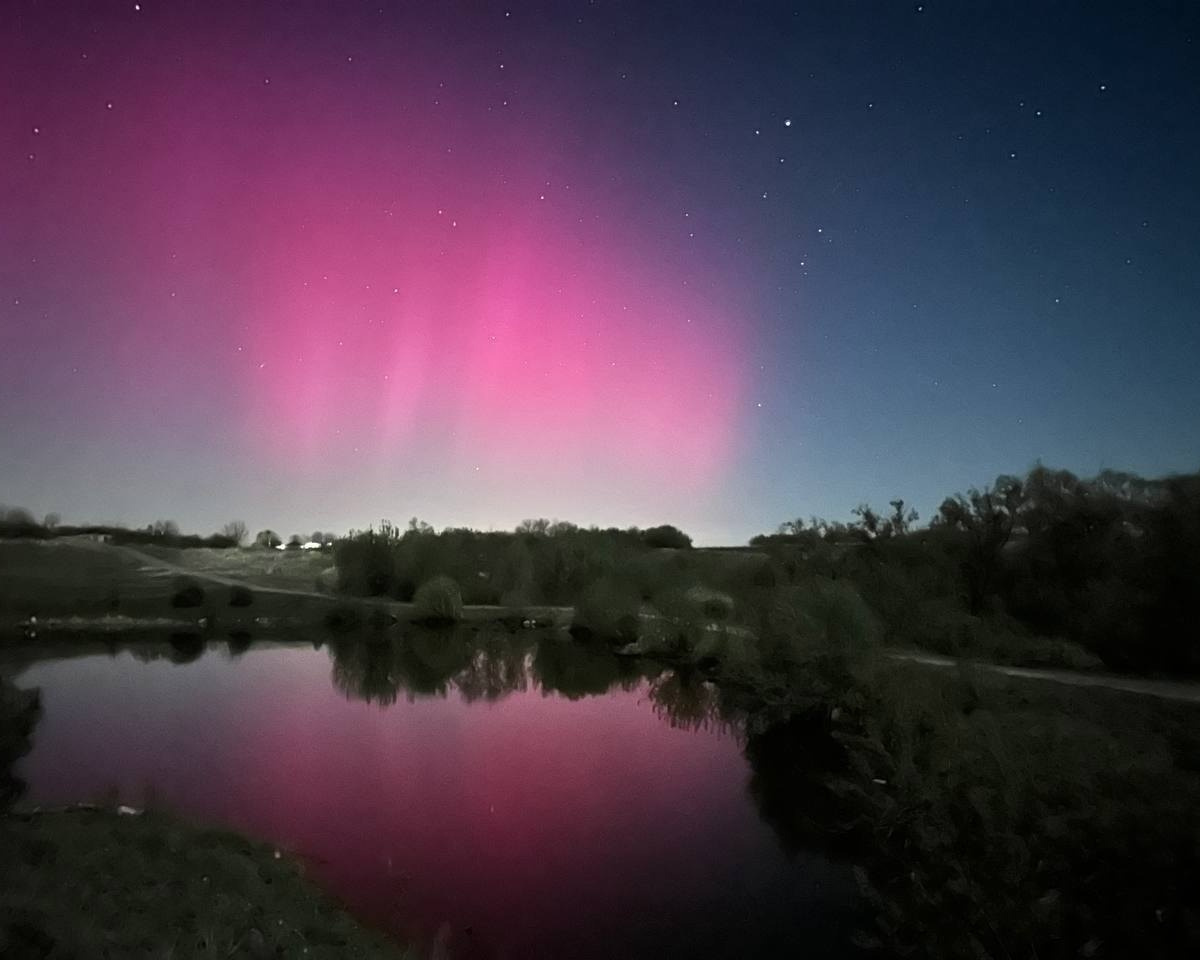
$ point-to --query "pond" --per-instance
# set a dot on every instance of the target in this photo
(501, 796)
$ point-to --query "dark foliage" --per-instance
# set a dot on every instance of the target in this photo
(540, 564)
(188, 593)
(239, 642)
(344, 617)
(1042, 569)
(19, 523)
(666, 536)
(186, 647)
(240, 596)
(19, 713)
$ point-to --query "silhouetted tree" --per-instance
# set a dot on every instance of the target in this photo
(985, 519)
(901, 522)
(267, 538)
(236, 531)
(666, 536)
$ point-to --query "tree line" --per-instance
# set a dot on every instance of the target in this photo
(1111, 563)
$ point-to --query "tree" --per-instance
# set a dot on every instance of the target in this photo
(52, 520)
(870, 525)
(164, 528)
(985, 519)
(901, 522)
(416, 527)
(236, 531)
(267, 538)
(874, 526)
(294, 542)
(666, 536)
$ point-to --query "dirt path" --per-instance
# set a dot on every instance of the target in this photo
(1166, 689)
(157, 563)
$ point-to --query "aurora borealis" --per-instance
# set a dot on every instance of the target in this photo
(320, 263)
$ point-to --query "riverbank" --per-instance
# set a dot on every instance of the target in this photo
(90, 882)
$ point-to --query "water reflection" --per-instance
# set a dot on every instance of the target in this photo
(478, 663)
(531, 795)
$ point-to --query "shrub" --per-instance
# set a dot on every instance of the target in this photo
(826, 628)
(188, 593)
(608, 612)
(713, 604)
(666, 536)
(439, 601)
(240, 596)
(327, 580)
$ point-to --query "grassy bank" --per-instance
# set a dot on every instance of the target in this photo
(988, 817)
(61, 579)
(84, 883)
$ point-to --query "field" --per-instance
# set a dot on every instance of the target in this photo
(61, 580)
(279, 569)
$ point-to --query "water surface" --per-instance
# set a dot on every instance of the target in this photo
(510, 800)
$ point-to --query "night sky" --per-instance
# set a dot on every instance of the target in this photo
(315, 264)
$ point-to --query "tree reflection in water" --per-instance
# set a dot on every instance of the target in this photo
(794, 759)
(687, 700)
(479, 662)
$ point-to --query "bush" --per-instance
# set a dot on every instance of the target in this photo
(608, 612)
(327, 580)
(826, 628)
(666, 536)
(240, 596)
(188, 593)
(439, 601)
(712, 604)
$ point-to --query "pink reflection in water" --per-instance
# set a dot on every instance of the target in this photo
(531, 826)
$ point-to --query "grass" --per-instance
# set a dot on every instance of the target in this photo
(59, 580)
(1048, 821)
(84, 882)
(285, 569)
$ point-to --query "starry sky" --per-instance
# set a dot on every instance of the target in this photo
(313, 264)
